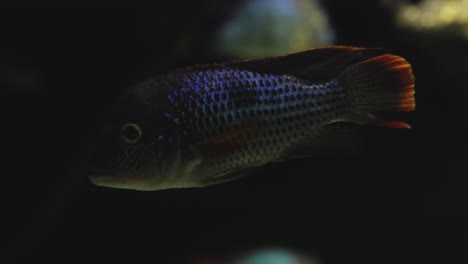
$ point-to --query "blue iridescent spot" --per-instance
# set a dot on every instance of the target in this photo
(198, 85)
(170, 98)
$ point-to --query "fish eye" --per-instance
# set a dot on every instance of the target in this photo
(131, 133)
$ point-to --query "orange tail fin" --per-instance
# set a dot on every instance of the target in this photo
(383, 83)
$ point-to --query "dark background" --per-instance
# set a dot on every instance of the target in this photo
(404, 199)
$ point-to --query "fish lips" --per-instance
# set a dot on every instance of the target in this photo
(101, 178)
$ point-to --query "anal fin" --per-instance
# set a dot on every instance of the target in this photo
(334, 140)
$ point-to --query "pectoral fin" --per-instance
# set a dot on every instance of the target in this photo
(229, 176)
(231, 139)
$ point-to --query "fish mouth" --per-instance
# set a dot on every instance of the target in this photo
(98, 179)
(119, 182)
(101, 177)
(106, 180)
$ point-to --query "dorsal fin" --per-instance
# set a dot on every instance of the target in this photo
(315, 65)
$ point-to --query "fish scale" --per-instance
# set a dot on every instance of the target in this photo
(280, 109)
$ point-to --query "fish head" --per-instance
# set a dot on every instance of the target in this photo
(136, 148)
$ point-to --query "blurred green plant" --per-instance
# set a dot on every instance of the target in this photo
(276, 256)
(262, 28)
(429, 15)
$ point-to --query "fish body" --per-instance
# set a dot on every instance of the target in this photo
(208, 124)
(242, 118)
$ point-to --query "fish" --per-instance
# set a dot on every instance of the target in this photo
(209, 124)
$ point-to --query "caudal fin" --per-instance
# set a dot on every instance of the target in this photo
(383, 83)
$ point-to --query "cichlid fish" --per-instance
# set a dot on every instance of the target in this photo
(208, 124)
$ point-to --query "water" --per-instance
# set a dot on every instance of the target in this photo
(404, 199)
